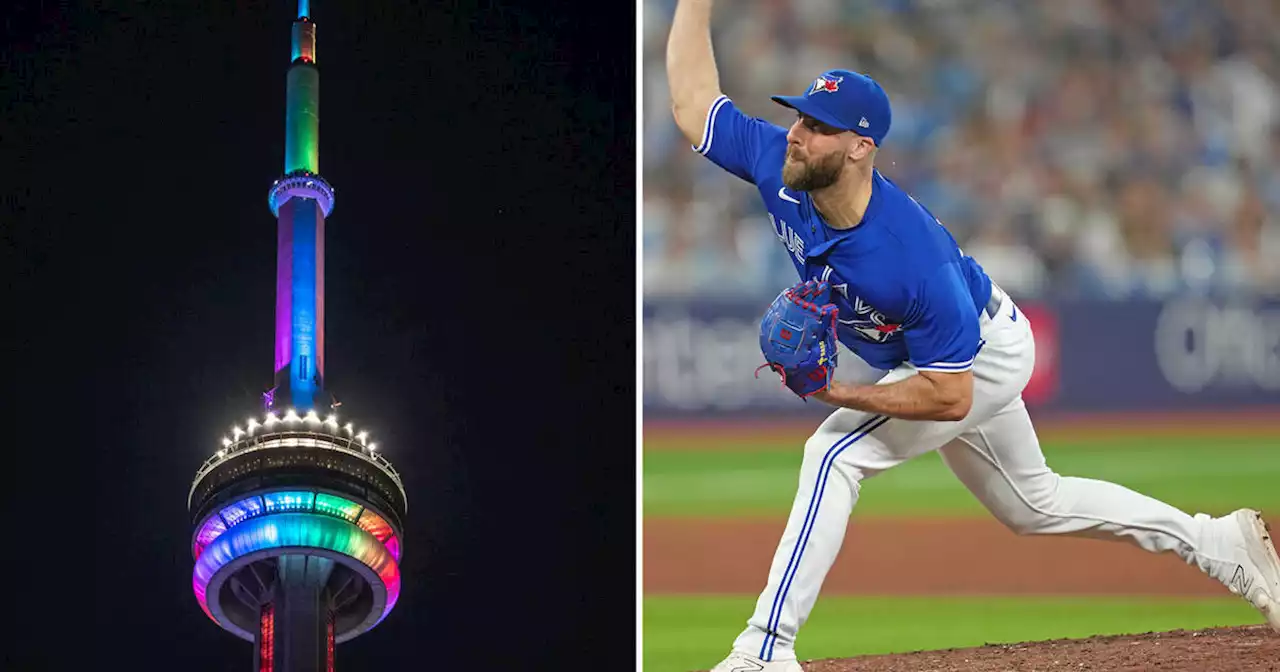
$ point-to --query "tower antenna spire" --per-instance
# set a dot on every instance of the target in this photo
(301, 200)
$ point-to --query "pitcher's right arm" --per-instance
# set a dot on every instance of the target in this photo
(707, 118)
(691, 68)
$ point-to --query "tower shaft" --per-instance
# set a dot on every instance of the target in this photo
(299, 361)
(296, 630)
(301, 200)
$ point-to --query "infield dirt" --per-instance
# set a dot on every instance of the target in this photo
(911, 556)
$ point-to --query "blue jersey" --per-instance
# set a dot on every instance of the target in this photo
(904, 289)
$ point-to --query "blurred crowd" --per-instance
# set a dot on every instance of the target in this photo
(1076, 148)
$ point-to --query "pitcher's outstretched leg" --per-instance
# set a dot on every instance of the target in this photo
(826, 493)
(1001, 463)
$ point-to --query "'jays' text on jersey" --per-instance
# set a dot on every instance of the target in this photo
(904, 289)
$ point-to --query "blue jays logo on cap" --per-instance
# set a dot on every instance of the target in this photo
(830, 84)
(851, 101)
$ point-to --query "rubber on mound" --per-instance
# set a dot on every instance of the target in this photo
(1239, 649)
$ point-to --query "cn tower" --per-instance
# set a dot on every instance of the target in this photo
(297, 518)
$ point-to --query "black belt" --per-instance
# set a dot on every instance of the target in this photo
(997, 299)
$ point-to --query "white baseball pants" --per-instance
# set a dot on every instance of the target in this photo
(993, 451)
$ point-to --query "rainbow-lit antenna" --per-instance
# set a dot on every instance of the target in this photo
(301, 200)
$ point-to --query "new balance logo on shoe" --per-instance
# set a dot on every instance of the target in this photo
(1240, 583)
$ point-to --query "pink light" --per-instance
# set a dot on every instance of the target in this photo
(320, 293)
(284, 295)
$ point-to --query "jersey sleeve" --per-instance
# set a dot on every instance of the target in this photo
(942, 332)
(735, 141)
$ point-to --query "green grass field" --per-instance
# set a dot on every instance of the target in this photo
(694, 632)
(696, 479)
(1192, 473)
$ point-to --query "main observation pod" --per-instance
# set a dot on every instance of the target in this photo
(297, 489)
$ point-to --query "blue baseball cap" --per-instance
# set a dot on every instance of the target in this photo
(846, 100)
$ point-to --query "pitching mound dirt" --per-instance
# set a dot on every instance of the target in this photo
(1242, 649)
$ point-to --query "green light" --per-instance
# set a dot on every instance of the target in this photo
(337, 507)
(302, 120)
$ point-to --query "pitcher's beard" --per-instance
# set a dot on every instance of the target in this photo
(806, 176)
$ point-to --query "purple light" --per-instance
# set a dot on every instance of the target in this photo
(250, 506)
(284, 297)
(299, 355)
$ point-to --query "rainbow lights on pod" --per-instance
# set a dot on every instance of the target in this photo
(280, 502)
(374, 524)
(297, 529)
(337, 507)
(295, 501)
(212, 527)
(241, 510)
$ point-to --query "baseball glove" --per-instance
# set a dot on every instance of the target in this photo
(798, 338)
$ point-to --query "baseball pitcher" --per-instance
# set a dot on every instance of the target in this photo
(882, 276)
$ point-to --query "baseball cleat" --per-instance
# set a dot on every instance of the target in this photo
(1253, 571)
(739, 661)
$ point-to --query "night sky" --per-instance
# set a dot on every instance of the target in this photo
(480, 313)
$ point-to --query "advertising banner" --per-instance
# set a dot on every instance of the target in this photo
(1186, 354)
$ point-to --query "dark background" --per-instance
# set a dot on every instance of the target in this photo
(480, 313)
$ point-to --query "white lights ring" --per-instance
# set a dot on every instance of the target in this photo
(276, 432)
